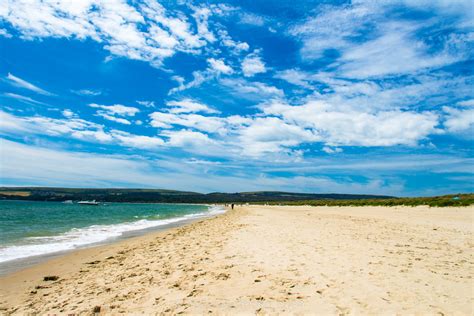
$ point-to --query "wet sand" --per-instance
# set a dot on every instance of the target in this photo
(267, 260)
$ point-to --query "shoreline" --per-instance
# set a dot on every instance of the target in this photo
(267, 259)
(11, 266)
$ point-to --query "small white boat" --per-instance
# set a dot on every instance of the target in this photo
(68, 202)
(93, 202)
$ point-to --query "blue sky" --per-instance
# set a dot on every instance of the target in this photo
(304, 96)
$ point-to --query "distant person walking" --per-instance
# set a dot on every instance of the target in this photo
(232, 205)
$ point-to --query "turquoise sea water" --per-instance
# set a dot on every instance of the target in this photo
(38, 228)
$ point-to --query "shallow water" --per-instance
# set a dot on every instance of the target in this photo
(38, 228)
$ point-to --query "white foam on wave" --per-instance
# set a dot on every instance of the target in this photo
(80, 237)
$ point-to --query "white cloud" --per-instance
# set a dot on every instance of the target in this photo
(94, 136)
(202, 162)
(148, 104)
(346, 127)
(40, 125)
(459, 120)
(272, 135)
(187, 138)
(188, 106)
(296, 77)
(76, 128)
(395, 51)
(466, 102)
(332, 150)
(201, 15)
(113, 118)
(199, 77)
(219, 66)
(251, 90)
(391, 45)
(329, 28)
(23, 98)
(216, 67)
(26, 85)
(87, 92)
(227, 41)
(137, 141)
(81, 169)
(12, 125)
(183, 113)
(116, 109)
(252, 19)
(33, 165)
(253, 65)
(5, 33)
(147, 31)
(68, 113)
(209, 124)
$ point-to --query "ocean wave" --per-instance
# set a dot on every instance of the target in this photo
(81, 237)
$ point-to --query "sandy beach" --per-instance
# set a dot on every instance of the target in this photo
(268, 260)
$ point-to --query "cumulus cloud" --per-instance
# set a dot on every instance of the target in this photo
(253, 65)
(115, 113)
(187, 138)
(337, 127)
(68, 113)
(219, 66)
(116, 109)
(272, 135)
(188, 106)
(459, 120)
(235, 47)
(147, 31)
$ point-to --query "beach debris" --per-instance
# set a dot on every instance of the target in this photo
(50, 278)
(193, 293)
(222, 276)
(96, 310)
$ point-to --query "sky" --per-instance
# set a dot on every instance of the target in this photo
(372, 97)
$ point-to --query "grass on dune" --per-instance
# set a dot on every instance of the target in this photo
(436, 201)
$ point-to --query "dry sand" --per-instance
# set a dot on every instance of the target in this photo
(268, 260)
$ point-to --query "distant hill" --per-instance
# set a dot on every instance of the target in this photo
(165, 196)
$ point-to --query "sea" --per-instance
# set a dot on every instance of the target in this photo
(38, 229)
